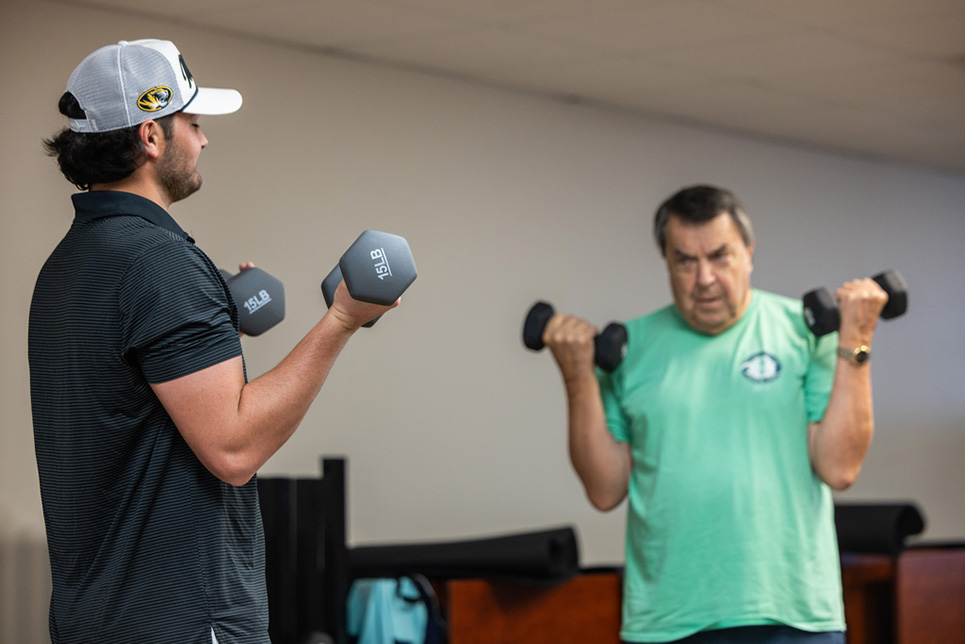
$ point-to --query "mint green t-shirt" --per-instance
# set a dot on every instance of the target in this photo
(727, 523)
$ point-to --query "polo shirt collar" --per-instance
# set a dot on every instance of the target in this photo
(111, 203)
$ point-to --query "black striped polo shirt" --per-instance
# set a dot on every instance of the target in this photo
(145, 544)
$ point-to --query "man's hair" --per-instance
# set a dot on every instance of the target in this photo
(697, 205)
(86, 159)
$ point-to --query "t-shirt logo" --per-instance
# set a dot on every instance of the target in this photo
(761, 367)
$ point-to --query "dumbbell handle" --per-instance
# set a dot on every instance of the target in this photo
(897, 289)
(609, 346)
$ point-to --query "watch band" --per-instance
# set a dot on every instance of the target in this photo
(857, 356)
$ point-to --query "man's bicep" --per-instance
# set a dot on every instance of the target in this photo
(204, 406)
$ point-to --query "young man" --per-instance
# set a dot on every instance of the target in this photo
(726, 425)
(148, 434)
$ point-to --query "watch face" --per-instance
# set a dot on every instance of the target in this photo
(857, 356)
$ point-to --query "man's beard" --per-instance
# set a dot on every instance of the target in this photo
(175, 179)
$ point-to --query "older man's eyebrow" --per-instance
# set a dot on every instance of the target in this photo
(714, 254)
(720, 252)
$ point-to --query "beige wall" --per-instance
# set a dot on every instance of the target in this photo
(451, 427)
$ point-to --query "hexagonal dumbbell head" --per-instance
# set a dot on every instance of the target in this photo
(897, 289)
(260, 299)
(388, 255)
(535, 323)
(610, 346)
(378, 267)
(821, 313)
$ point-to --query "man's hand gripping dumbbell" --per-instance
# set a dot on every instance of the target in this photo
(854, 310)
(574, 342)
(375, 270)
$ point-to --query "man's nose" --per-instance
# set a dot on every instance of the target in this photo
(705, 273)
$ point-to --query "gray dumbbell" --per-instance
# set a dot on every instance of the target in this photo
(377, 268)
(260, 299)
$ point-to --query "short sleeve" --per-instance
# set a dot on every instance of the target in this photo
(176, 316)
(820, 376)
(616, 420)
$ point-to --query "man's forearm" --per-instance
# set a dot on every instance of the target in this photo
(271, 407)
(838, 443)
(599, 460)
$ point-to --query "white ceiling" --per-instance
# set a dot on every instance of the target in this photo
(884, 78)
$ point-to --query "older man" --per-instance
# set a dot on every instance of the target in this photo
(727, 425)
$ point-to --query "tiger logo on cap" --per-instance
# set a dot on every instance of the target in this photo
(155, 99)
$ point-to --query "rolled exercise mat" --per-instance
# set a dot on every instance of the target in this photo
(541, 556)
(876, 527)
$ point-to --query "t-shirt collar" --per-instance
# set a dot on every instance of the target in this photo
(111, 203)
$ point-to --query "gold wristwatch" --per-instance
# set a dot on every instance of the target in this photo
(858, 356)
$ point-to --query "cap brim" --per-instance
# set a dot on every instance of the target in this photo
(214, 101)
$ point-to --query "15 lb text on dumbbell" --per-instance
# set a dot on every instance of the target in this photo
(259, 297)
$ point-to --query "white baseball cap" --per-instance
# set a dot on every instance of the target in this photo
(123, 85)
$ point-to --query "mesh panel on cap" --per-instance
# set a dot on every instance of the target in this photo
(109, 83)
(146, 69)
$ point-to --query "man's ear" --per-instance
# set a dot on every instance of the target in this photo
(152, 138)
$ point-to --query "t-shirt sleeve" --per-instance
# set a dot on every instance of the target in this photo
(616, 420)
(820, 375)
(175, 313)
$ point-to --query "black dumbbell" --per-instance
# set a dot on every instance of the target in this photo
(609, 346)
(377, 268)
(260, 299)
(822, 315)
